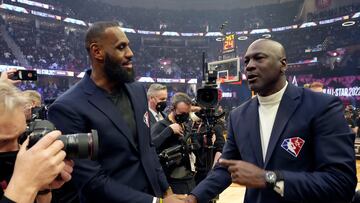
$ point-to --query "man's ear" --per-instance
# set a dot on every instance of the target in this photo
(97, 51)
(283, 65)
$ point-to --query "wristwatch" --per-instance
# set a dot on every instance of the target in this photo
(272, 177)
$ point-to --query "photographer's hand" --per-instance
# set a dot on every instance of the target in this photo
(177, 129)
(6, 75)
(36, 167)
(64, 176)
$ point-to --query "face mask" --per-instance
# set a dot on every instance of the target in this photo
(181, 118)
(160, 106)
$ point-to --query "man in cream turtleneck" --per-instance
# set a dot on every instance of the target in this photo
(287, 144)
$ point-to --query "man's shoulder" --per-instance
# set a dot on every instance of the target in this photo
(318, 98)
(244, 106)
(137, 86)
(72, 95)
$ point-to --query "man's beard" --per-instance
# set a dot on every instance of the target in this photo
(116, 73)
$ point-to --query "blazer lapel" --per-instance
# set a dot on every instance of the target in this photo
(139, 115)
(288, 105)
(104, 104)
(254, 132)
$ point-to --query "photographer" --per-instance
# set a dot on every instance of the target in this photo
(172, 132)
(27, 174)
(210, 138)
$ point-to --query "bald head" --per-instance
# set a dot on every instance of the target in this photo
(270, 45)
(265, 62)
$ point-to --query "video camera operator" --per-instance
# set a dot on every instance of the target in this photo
(27, 174)
(172, 133)
(210, 148)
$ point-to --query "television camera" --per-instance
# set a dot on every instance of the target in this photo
(208, 98)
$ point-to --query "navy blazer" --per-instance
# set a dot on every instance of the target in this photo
(125, 171)
(322, 167)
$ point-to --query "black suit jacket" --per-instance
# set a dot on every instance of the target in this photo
(123, 171)
(152, 119)
(311, 144)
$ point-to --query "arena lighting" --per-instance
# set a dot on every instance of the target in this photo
(266, 36)
(242, 32)
(220, 39)
(192, 81)
(81, 75)
(259, 31)
(146, 79)
(242, 38)
(356, 15)
(308, 24)
(348, 23)
(7, 67)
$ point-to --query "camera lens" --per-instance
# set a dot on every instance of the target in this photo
(76, 146)
(81, 145)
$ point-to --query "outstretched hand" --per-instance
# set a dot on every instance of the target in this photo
(244, 173)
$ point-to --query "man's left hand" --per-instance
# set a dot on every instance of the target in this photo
(245, 173)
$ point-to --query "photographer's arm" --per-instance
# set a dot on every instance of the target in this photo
(36, 168)
(159, 133)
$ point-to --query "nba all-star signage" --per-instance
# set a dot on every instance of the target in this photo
(343, 86)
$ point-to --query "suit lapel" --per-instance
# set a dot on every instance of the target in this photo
(289, 103)
(139, 115)
(104, 104)
(254, 132)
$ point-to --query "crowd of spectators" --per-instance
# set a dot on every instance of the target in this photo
(335, 12)
(190, 20)
(48, 45)
(54, 45)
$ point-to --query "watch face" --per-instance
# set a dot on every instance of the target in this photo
(270, 177)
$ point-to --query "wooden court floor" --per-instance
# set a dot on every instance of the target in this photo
(235, 193)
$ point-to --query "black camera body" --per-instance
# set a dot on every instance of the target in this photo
(76, 146)
(176, 154)
(208, 96)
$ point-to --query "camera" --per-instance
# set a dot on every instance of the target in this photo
(209, 96)
(30, 75)
(76, 146)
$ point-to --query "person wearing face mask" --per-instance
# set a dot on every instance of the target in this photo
(172, 132)
(157, 96)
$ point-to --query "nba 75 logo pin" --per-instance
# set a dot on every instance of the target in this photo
(293, 145)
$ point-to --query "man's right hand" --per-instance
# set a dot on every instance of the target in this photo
(190, 199)
(177, 129)
(174, 199)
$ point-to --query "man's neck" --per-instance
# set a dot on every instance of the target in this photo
(101, 81)
(9, 145)
(152, 107)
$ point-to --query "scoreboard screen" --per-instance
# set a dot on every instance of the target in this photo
(229, 43)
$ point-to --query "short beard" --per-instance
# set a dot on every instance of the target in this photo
(116, 73)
